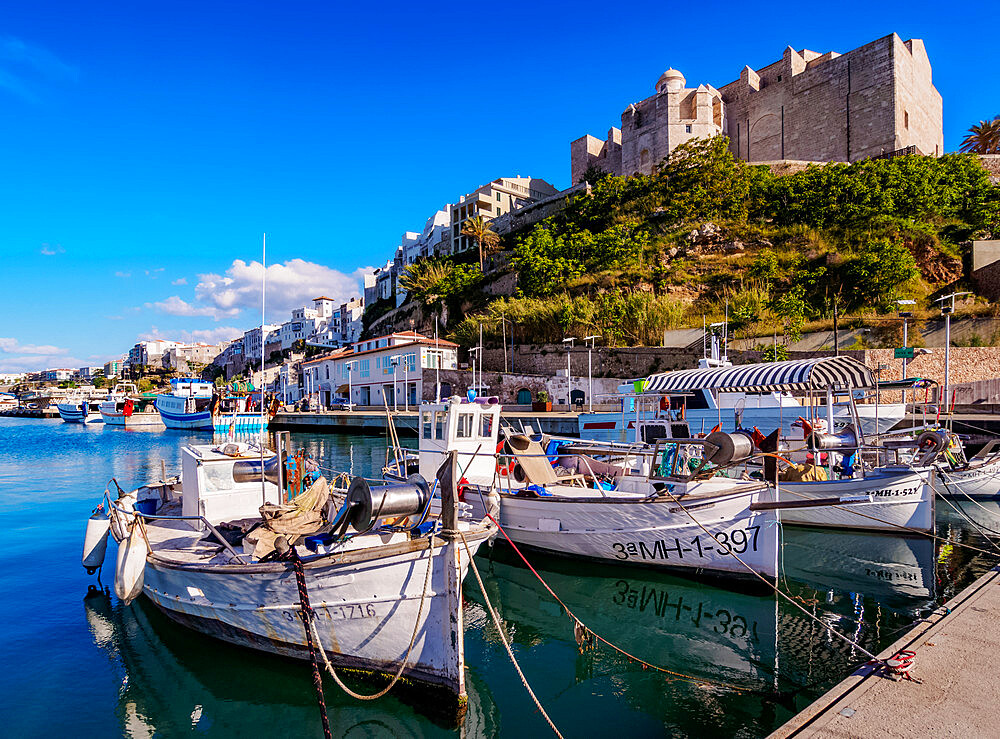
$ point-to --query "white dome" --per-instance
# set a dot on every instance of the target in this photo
(670, 81)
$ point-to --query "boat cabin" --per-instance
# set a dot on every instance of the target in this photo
(472, 429)
(222, 487)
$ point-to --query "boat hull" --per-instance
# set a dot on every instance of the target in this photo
(980, 482)
(902, 500)
(652, 532)
(73, 413)
(114, 417)
(366, 606)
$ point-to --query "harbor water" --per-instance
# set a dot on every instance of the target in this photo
(730, 663)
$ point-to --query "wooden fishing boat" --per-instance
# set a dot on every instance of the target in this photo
(197, 405)
(695, 523)
(386, 597)
(79, 410)
(125, 406)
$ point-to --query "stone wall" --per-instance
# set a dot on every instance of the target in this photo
(991, 163)
(969, 366)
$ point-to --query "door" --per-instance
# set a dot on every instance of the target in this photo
(524, 396)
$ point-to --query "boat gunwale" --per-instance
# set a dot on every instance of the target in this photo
(479, 531)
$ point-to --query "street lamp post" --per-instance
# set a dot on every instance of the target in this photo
(394, 361)
(569, 384)
(350, 387)
(905, 314)
(406, 383)
(590, 369)
(946, 311)
(476, 351)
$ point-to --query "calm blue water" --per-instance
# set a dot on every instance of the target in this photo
(95, 668)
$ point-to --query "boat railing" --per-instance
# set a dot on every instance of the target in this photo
(154, 517)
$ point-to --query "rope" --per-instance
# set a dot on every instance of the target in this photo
(409, 649)
(772, 585)
(307, 614)
(579, 623)
(503, 636)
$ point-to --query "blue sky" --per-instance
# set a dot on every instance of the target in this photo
(144, 149)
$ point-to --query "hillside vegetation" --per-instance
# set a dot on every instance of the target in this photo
(707, 235)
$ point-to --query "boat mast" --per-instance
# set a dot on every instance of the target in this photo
(263, 292)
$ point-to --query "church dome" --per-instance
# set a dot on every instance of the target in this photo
(670, 81)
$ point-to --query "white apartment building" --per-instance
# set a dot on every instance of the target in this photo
(494, 199)
(252, 344)
(178, 357)
(113, 368)
(389, 370)
(89, 373)
(149, 351)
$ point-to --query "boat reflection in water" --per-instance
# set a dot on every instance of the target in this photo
(176, 682)
(895, 571)
(777, 656)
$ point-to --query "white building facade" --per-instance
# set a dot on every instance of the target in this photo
(390, 370)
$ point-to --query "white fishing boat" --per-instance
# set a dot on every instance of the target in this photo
(79, 409)
(195, 404)
(8, 403)
(125, 406)
(884, 498)
(386, 598)
(704, 408)
(672, 519)
(960, 478)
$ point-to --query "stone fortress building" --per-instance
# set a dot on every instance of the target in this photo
(876, 99)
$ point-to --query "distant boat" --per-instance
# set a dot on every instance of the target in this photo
(195, 404)
(7, 402)
(125, 406)
(80, 410)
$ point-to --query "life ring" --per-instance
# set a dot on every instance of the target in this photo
(504, 470)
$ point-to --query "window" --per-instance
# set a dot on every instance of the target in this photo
(906, 119)
(439, 420)
(328, 372)
(487, 427)
(425, 421)
(464, 427)
(687, 128)
(365, 368)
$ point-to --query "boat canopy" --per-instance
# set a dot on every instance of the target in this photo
(795, 375)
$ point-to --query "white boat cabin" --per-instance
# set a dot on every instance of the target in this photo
(472, 429)
(210, 486)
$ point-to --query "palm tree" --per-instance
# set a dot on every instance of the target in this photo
(421, 279)
(479, 231)
(983, 138)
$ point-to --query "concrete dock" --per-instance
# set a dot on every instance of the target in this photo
(956, 665)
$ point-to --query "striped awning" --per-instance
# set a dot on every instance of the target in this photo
(842, 373)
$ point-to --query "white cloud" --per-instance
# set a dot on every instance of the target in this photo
(153, 273)
(208, 335)
(18, 357)
(180, 281)
(50, 251)
(291, 284)
(175, 306)
(22, 66)
(13, 346)
(121, 274)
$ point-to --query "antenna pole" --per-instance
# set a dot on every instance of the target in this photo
(263, 286)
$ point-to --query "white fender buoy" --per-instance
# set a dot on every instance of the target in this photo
(131, 564)
(95, 541)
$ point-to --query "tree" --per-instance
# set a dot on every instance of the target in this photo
(983, 138)
(478, 229)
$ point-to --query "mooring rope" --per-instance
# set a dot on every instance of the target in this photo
(409, 649)
(503, 636)
(629, 655)
(307, 614)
